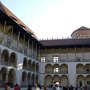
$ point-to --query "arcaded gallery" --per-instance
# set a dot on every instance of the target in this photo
(26, 60)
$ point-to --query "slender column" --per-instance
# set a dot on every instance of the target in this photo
(59, 54)
(45, 54)
(83, 53)
(11, 31)
(18, 41)
(39, 54)
(36, 51)
(23, 44)
(7, 76)
(52, 51)
(32, 50)
(4, 28)
(52, 55)
(28, 47)
(35, 68)
(75, 52)
(67, 54)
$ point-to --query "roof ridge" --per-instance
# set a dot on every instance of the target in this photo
(4, 9)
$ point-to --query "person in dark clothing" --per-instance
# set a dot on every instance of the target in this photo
(16, 87)
(29, 87)
(71, 87)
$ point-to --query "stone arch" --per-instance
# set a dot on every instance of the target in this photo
(5, 55)
(28, 78)
(3, 74)
(13, 59)
(80, 80)
(87, 80)
(48, 80)
(87, 68)
(48, 68)
(11, 76)
(33, 78)
(56, 68)
(64, 69)
(56, 78)
(36, 80)
(79, 68)
(64, 80)
(25, 63)
(24, 78)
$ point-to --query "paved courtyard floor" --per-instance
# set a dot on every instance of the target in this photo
(25, 88)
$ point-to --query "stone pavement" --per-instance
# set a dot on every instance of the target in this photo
(25, 88)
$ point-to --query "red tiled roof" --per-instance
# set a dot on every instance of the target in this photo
(17, 20)
(65, 42)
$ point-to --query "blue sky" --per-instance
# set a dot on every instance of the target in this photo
(51, 18)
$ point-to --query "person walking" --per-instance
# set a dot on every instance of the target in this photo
(85, 88)
(16, 87)
(37, 87)
(29, 87)
(7, 86)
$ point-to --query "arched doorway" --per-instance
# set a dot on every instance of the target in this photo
(11, 77)
(48, 80)
(24, 78)
(64, 80)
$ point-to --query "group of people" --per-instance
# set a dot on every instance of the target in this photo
(37, 87)
(7, 87)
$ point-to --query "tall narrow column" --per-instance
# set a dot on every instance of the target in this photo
(18, 40)
(45, 55)
(11, 31)
(67, 54)
(36, 51)
(59, 54)
(52, 55)
(83, 53)
(32, 50)
(7, 76)
(4, 29)
(23, 44)
(75, 53)
(39, 55)
(28, 47)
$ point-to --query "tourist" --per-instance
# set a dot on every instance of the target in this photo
(37, 87)
(29, 87)
(56, 87)
(44, 88)
(7, 86)
(16, 87)
(85, 88)
(71, 87)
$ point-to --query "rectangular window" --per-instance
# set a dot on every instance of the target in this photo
(43, 59)
(55, 59)
(56, 70)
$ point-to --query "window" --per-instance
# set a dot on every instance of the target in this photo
(43, 59)
(78, 59)
(56, 70)
(55, 59)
